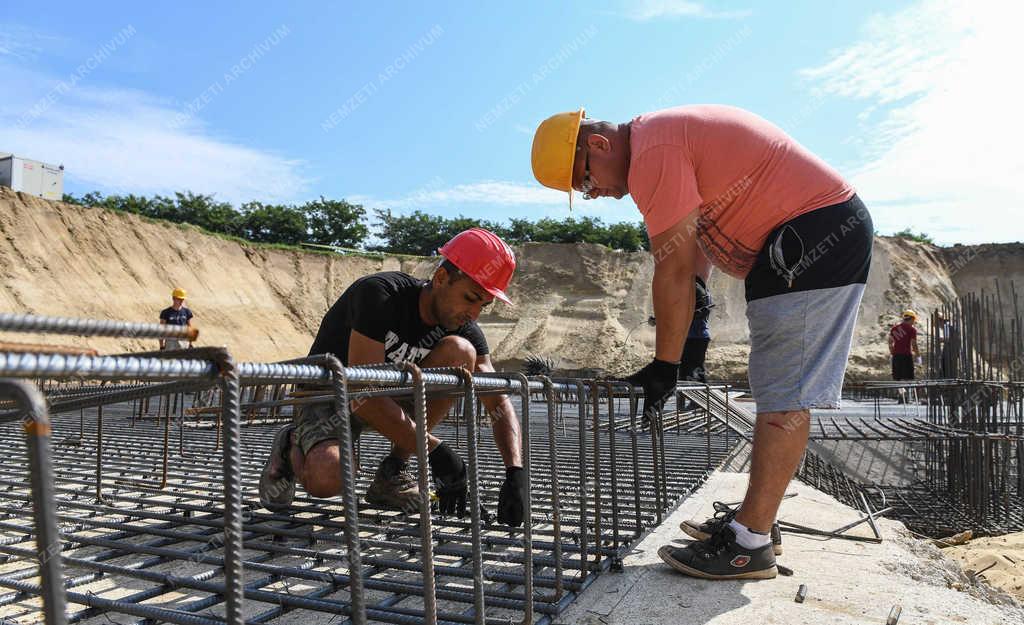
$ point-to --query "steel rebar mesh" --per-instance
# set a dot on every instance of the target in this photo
(155, 540)
(960, 439)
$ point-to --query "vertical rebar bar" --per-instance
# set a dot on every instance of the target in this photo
(556, 516)
(419, 403)
(99, 454)
(36, 422)
(524, 394)
(232, 433)
(350, 506)
(469, 405)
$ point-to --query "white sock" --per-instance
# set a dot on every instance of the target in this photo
(748, 538)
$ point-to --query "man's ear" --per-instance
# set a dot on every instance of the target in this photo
(599, 143)
(440, 277)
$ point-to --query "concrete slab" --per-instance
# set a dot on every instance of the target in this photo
(848, 582)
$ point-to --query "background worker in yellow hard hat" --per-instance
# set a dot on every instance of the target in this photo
(725, 183)
(903, 349)
(177, 314)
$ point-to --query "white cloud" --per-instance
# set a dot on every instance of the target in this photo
(501, 199)
(940, 129)
(23, 43)
(484, 192)
(127, 141)
(652, 9)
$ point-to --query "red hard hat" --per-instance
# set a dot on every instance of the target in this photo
(483, 256)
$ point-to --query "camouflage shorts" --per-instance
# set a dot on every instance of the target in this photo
(315, 423)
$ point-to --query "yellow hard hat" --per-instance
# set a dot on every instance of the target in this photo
(554, 150)
(178, 293)
(910, 313)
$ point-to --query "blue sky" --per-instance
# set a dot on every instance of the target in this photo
(413, 106)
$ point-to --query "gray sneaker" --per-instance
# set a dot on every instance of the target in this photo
(277, 482)
(394, 486)
(702, 530)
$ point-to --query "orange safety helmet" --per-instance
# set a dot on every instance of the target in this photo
(484, 257)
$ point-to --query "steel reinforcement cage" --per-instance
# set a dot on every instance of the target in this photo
(602, 477)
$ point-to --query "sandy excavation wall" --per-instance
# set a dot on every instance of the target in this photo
(584, 306)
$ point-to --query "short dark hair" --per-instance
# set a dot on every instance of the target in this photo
(454, 273)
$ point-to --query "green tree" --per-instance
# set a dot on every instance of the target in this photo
(203, 211)
(335, 222)
(130, 203)
(626, 236)
(920, 237)
(273, 223)
(415, 233)
(93, 198)
(340, 223)
(518, 231)
(569, 230)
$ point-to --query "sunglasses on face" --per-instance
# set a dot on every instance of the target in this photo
(586, 185)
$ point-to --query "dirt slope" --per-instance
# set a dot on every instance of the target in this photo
(577, 304)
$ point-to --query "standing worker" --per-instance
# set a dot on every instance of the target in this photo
(725, 182)
(392, 317)
(695, 349)
(948, 338)
(903, 349)
(177, 314)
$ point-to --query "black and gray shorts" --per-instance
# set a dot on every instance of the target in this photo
(803, 295)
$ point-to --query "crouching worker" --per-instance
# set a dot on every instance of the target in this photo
(392, 317)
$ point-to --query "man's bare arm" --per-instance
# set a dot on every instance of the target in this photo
(675, 262)
(382, 413)
(504, 421)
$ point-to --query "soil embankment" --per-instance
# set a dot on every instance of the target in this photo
(584, 306)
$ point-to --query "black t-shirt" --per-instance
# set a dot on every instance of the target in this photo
(385, 307)
(178, 317)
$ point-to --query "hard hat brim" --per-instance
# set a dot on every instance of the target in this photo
(499, 294)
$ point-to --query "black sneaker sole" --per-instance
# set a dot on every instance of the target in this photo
(663, 553)
(696, 534)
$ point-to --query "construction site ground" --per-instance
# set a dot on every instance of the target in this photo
(847, 581)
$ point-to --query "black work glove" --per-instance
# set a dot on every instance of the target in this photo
(450, 480)
(658, 380)
(512, 499)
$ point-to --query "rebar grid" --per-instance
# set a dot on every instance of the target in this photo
(176, 541)
(966, 440)
(143, 531)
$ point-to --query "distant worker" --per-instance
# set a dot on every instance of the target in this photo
(177, 314)
(695, 349)
(724, 182)
(392, 317)
(948, 338)
(903, 349)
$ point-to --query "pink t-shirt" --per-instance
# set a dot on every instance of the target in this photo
(745, 175)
